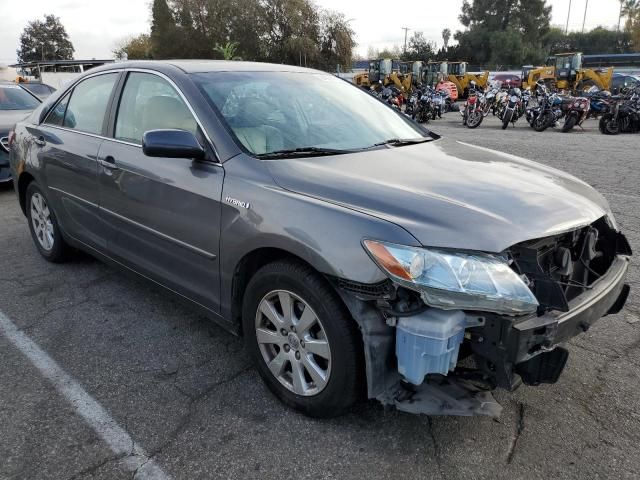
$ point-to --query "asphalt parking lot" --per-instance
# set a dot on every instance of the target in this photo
(183, 390)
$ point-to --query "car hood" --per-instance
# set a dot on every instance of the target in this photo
(447, 193)
(8, 118)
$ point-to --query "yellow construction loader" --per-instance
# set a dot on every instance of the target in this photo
(457, 73)
(531, 75)
(433, 72)
(564, 71)
(379, 70)
(384, 71)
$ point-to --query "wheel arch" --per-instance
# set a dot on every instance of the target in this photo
(249, 264)
(24, 180)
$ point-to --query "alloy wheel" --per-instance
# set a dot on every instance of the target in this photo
(41, 221)
(293, 342)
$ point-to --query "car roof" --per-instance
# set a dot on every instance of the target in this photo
(204, 66)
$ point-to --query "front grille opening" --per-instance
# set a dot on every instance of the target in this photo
(561, 267)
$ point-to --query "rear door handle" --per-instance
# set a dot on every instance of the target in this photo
(40, 141)
(108, 162)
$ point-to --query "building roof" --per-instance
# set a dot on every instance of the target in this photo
(202, 66)
(44, 63)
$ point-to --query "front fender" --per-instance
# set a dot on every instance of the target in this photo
(256, 213)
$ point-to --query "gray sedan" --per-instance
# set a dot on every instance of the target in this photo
(15, 104)
(358, 253)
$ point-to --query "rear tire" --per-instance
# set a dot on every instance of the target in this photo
(276, 342)
(44, 227)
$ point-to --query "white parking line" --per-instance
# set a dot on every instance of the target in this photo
(134, 458)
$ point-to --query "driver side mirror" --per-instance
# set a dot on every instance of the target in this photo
(172, 144)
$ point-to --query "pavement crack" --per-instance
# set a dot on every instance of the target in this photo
(194, 400)
(97, 466)
(53, 310)
(436, 448)
(519, 429)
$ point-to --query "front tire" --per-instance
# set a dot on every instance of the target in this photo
(44, 227)
(506, 119)
(608, 125)
(569, 124)
(542, 122)
(302, 339)
(475, 119)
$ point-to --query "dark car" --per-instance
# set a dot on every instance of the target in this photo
(40, 90)
(506, 80)
(358, 253)
(621, 83)
(15, 104)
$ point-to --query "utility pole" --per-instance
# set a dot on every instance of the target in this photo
(406, 29)
(586, 4)
(566, 29)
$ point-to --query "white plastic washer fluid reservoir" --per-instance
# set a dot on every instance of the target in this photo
(429, 343)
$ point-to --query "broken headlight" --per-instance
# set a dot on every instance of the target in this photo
(455, 280)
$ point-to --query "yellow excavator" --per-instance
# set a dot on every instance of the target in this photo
(564, 71)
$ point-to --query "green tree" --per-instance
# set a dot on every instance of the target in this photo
(446, 36)
(491, 23)
(164, 32)
(336, 40)
(598, 40)
(228, 50)
(629, 10)
(45, 40)
(419, 48)
(292, 30)
(134, 48)
(282, 31)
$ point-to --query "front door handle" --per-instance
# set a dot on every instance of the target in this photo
(108, 162)
(40, 141)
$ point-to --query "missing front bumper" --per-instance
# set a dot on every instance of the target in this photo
(501, 345)
(507, 352)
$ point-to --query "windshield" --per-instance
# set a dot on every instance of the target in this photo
(39, 89)
(14, 98)
(276, 111)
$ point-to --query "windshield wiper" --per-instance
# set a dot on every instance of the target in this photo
(303, 152)
(399, 142)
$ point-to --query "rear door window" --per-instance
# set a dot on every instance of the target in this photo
(88, 104)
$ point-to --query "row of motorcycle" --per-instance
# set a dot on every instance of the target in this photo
(543, 108)
(424, 104)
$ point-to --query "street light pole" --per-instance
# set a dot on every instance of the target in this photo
(566, 29)
(586, 4)
(406, 29)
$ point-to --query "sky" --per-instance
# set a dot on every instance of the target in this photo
(96, 26)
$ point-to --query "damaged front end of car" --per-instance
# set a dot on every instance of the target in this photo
(448, 327)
